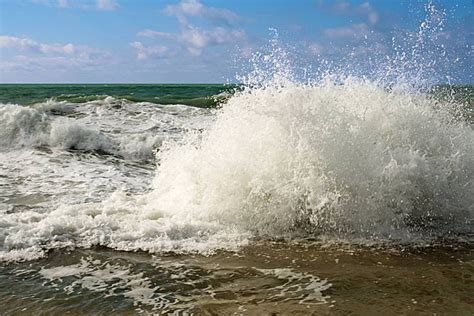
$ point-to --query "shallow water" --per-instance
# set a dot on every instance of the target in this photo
(269, 278)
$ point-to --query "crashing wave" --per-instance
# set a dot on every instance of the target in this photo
(338, 159)
(349, 161)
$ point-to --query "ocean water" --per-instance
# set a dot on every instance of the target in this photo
(329, 194)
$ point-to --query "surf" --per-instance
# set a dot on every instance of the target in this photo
(332, 156)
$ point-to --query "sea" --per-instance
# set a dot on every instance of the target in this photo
(330, 194)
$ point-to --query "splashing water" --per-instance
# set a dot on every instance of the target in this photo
(339, 157)
(345, 160)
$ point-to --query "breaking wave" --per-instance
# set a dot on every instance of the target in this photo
(339, 158)
(91, 126)
(349, 160)
(352, 162)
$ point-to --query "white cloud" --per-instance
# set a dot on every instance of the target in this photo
(194, 8)
(63, 4)
(154, 34)
(28, 45)
(354, 32)
(186, 7)
(369, 11)
(195, 39)
(107, 5)
(147, 52)
(344, 8)
(26, 54)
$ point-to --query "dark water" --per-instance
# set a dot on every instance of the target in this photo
(201, 95)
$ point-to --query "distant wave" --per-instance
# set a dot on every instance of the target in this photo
(203, 96)
(202, 102)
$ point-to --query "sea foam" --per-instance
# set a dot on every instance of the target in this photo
(93, 126)
(349, 160)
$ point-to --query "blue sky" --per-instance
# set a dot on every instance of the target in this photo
(166, 41)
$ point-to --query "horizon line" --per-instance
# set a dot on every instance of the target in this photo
(167, 83)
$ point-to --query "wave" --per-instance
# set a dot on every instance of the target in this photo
(21, 126)
(201, 102)
(349, 162)
(32, 127)
(338, 159)
(203, 96)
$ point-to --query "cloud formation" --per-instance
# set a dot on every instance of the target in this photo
(29, 46)
(194, 8)
(351, 32)
(147, 52)
(107, 5)
(364, 11)
(21, 54)
(104, 5)
(194, 39)
(154, 34)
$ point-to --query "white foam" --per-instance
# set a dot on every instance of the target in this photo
(74, 136)
(96, 276)
(350, 160)
(131, 130)
(191, 285)
(21, 126)
(121, 222)
(307, 287)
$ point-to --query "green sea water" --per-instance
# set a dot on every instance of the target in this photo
(200, 95)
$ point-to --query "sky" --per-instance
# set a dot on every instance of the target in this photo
(209, 41)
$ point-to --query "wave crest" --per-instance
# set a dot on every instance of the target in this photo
(47, 124)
